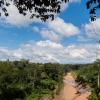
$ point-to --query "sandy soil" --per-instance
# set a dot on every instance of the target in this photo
(83, 96)
(69, 90)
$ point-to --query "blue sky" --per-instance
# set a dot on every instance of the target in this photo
(69, 38)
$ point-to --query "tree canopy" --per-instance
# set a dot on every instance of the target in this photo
(42, 9)
(45, 9)
(93, 5)
(22, 80)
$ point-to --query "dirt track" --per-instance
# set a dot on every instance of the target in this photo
(69, 90)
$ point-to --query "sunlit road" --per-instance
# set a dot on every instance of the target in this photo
(69, 91)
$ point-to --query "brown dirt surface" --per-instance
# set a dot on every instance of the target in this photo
(83, 96)
(69, 90)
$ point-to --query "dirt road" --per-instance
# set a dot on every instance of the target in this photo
(69, 90)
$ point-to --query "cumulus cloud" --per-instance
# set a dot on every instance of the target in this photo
(47, 51)
(63, 28)
(49, 34)
(92, 29)
(83, 39)
(57, 29)
(90, 32)
(17, 19)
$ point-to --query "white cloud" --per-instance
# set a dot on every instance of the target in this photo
(49, 44)
(49, 34)
(57, 29)
(17, 19)
(47, 51)
(93, 29)
(90, 32)
(83, 38)
(61, 27)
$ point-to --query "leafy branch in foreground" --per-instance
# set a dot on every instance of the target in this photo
(42, 9)
(93, 6)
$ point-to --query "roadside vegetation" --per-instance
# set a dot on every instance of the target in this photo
(23, 80)
(88, 76)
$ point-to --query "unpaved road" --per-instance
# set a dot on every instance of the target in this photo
(69, 90)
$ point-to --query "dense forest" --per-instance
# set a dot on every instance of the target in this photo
(23, 80)
(90, 75)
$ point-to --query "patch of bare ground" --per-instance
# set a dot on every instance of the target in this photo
(70, 91)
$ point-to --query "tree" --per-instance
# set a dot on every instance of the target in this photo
(93, 5)
(42, 9)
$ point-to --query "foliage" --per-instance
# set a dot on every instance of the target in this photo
(42, 9)
(23, 80)
(93, 6)
(95, 94)
(28, 81)
(89, 75)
